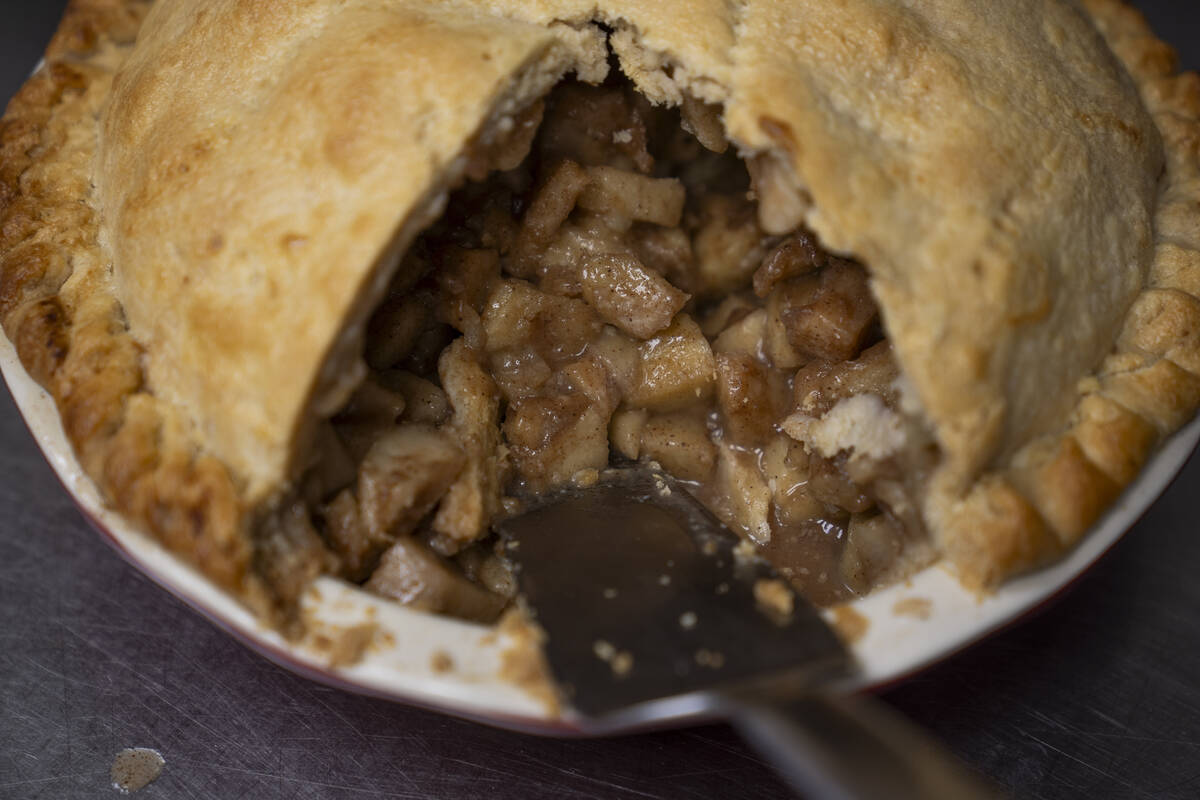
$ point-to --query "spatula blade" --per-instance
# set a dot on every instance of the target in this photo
(643, 597)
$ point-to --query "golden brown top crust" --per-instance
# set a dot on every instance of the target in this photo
(1056, 486)
(997, 171)
(666, 46)
(993, 164)
(261, 167)
(59, 312)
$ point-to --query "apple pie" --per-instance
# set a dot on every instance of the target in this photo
(329, 287)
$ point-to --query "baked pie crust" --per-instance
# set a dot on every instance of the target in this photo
(194, 230)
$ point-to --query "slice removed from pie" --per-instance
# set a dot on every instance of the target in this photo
(327, 287)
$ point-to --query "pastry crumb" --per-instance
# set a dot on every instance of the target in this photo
(586, 477)
(915, 607)
(620, 661)
(775, 598)
(441, 662)
(744, 553)
(850, 625)
(346, 647)
(522, 663)
(135, 768)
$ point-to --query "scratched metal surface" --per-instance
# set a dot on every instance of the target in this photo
(1099, 696)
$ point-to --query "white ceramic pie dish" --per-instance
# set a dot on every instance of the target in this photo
(910, 626)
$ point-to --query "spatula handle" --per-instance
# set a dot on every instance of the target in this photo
(853, 748)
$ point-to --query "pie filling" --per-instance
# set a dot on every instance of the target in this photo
(613, 282)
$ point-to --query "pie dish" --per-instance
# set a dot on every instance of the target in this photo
(321, 289)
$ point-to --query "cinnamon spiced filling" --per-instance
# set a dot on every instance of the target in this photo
(613, 282)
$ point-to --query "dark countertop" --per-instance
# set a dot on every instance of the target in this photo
(1098, 696)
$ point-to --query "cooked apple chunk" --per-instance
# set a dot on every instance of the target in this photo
(629, 296)
(412, 574)
(404, 474)
(677, 367)
(680, 443)
(830, 316)
(633, 197)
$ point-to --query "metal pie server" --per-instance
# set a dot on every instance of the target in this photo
(651, 616)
